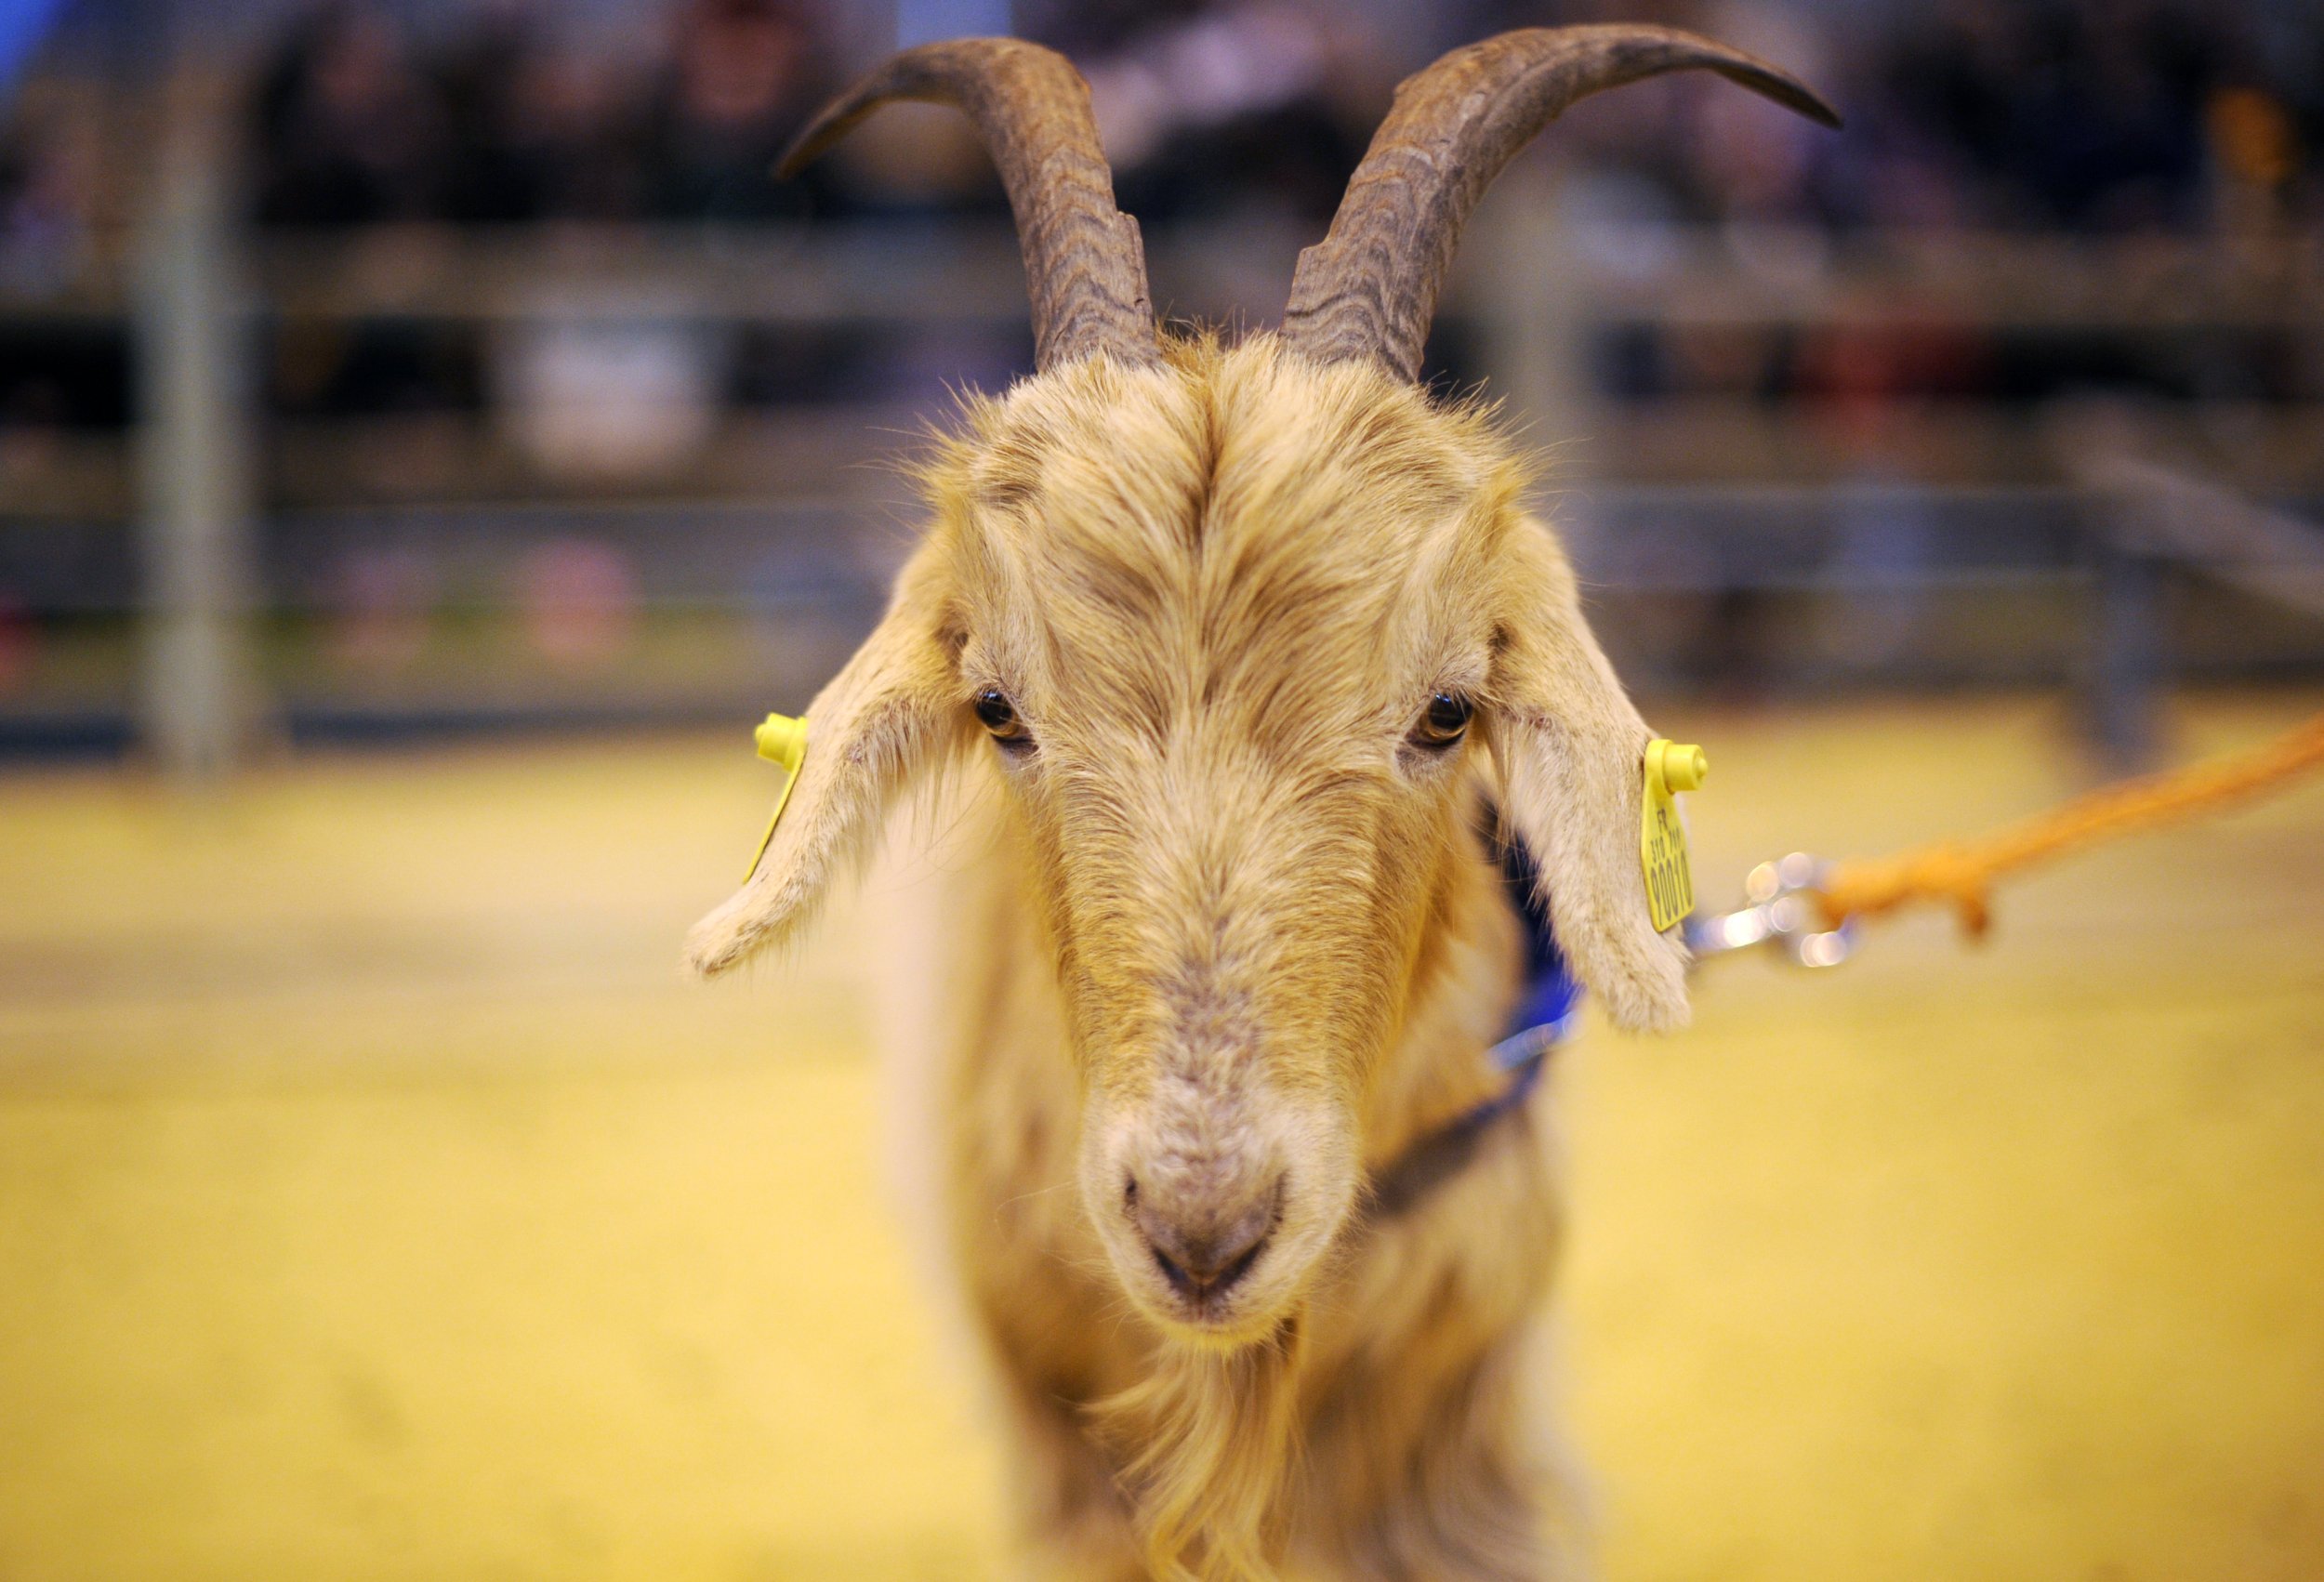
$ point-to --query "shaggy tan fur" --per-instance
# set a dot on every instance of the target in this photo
(1227, 937)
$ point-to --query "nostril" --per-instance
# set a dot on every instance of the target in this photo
(1180, 1280)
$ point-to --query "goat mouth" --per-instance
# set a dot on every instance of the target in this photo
(1209, 1290)
(1212, 1295)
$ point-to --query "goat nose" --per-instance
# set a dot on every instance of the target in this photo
(1206, 1256)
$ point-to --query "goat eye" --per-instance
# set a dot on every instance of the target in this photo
(1444, 721)
(997, 714)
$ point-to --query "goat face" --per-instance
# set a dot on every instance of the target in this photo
(1237, 635)
(1204, 604)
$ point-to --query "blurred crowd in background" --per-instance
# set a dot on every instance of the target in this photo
(2097, 116)
(2105, 123)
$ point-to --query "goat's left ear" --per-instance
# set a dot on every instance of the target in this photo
(1570, 749)
(889, 716)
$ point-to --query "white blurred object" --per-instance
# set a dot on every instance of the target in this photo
(599, 395)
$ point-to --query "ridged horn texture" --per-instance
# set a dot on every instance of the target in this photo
(1085, 265)
(1369, 288)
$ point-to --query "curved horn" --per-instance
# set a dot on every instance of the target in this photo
(1084, 267)
(1369, 289)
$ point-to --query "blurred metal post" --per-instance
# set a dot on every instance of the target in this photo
(2123, 683)
(198, 693)
(1532, 317)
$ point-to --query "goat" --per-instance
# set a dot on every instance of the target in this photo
(1235, 658)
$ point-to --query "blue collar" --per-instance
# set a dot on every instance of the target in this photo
(1547, 1013)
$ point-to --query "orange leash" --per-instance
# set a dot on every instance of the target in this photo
(1963, 872)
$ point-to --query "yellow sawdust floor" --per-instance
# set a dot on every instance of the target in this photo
(377, 1201)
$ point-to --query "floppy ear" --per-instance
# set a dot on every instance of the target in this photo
(891, 715)
(1570, 752)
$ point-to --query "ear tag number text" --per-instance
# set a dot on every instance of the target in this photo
(782, 740)
(1671, 767)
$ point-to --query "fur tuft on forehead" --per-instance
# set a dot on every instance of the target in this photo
(1186, 508)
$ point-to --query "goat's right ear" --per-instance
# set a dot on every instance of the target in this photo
(891, 715)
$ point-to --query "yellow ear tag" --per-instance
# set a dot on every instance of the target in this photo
(1671, 767)
(782, 740)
